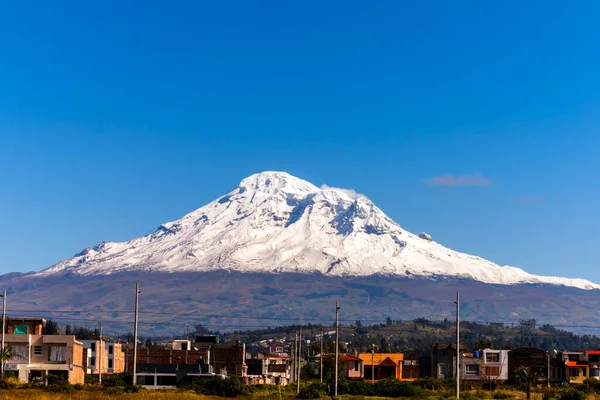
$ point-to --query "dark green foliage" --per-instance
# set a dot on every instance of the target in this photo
(231, 386)
(329, 368)
(313, 391)
(572, 393)
(58, 384)
(383, 388)
(307, 372)
(395, 388)
(51, 328)
(116, 380)
(199, 329)
(499, 395)
(7, 385)
(434, 383)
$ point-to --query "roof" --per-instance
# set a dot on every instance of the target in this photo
(277, 357)
(529, 350)
(592, 351)
(576, 364)
(25, 319)
(348, 357)
(378, 358)
(388, 362)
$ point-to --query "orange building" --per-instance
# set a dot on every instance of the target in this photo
(382, 365)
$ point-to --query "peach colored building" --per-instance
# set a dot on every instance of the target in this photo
(111, 358)
(353, 367)
(37, 357)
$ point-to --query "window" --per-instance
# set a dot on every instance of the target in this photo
(472, 369)
(93, 346)
(492, 357)
(21, 329)
(111, 348)
(445, 353)
(594, 357)
(573, 371)
(37, 350)
(355, 366)
(19, 352)
(57, 353)
(93, 361)
(584, 371)
(110, 363)
(169, 380)
(492, 371)
(145, 380)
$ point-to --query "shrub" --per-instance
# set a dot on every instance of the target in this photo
(355, 388)
(571, 393)
(432, 383)
(395, 388)
(229, 387)
(500, 395)
(116, 380)
(313, 391)
(60, 387)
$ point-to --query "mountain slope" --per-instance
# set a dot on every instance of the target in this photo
(274, 222)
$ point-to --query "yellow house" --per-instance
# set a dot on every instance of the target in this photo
(577, 372)
(382, 365)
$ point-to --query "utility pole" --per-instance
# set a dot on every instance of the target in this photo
(3, 326)
(100, 357)
(457, 345)
(337, 344)
(299, 354)
(548, 353)
(373, 364)
(135, 332)
(321, 363)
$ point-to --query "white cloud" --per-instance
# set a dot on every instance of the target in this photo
(353, 194)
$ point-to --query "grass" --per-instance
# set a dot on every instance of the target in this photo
(260, 392)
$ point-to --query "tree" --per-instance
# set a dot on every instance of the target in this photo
(388, 321)
(307, 372)
(384, 345)
(6, 355)
(51, 328)
(201, 330)
(68, 330)
(528, 376)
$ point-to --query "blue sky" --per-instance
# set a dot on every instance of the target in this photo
(474, 122)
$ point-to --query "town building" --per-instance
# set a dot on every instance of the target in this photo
(113, 358)
(224, 358)
(495, 365)
(171, 376)
(354, 367)
(37, 357)
(593, 359)
(382, 365)
(269, 370)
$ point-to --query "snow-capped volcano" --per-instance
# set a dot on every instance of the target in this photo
(275, 222)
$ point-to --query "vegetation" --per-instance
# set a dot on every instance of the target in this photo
(423, 389)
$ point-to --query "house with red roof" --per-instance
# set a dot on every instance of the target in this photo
(354, 367)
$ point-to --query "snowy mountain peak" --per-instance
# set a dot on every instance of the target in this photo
(272, 182)
(274, 222)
